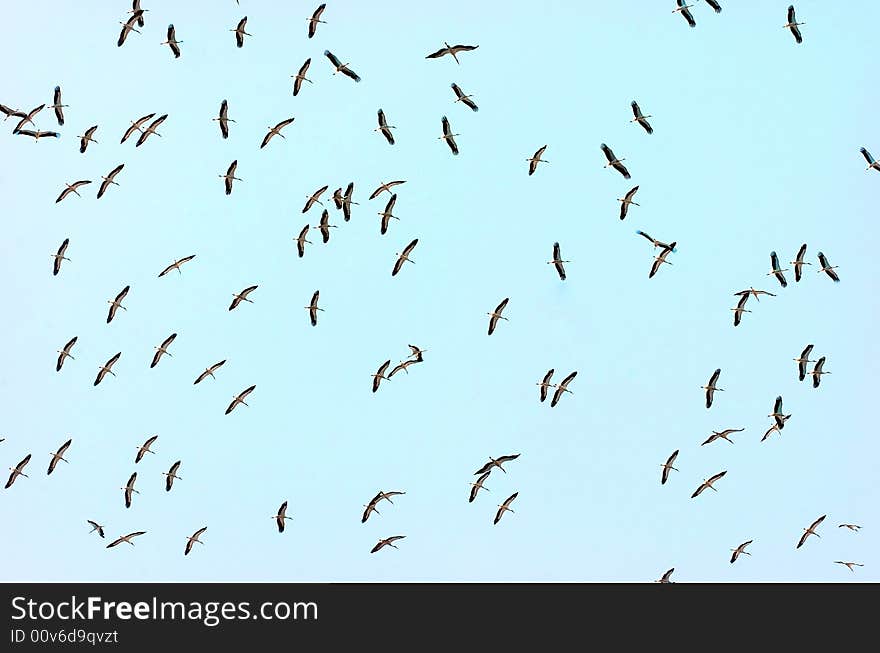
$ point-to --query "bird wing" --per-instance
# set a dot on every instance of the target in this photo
(609, 154)
(504, 459)
(715, 376)
(717, 476)
(438, 53)
(791, 16)
(637, 112)
(332, 57)
(699, 490)
(688, 17)
(621, 169)
(803, 539)
(485, 468)
(867, 155)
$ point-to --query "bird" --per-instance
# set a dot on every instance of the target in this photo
(776, 271)
(209, 371)
(17, 471)
(315, 19)
(792, 24)
(238, 298)
(59, 256)
(172, 42)
(535, 159)
(116, 303)
(109, 179)
(464, 99)
(129, 26)
(714, 4)
(135, 126)
(448, 136)
(751, 292)
(777, 414)
(86, 138)
(827, 268)
(661, 259)
(774, 428)
(128, 489)
(239, 399)
(106, 368)
(401, 366)
(665, 577)
(848, 565)
(96, 527)
(176, 265)
(640, 118)
(504, 507)
(275, 131)
(346, 201)
(301, 241)
(380, 374)
(384, 127)
(57, 106)
(314, 198)
(664, 476)
(707, 483)
(557, 262)
(545, 384)
(162, 349)
(193, 539)
(739, 310)
(478, 485)
(656, 243)
(387, 214)
(870, 159)
(810, 531)
(852, 527)
(388, 541)
(324, 226)
(136, 9)
(340, 67)
(313, 308)
(126, 538)
(58, 455)
(338, 198)
(383, 187)
(38, 134)
(684, 10)
(818, 372)
(710, 388)
(170, 475)
(240, 32)
(416, 353)
(403, 256)
(723, 435)
(9, 112)
(64, 353)
(223, 119)
(496, 462)
(281, 516)
(802, 361)
(300, 76)
(495, 315)
(230, 176)
(144, 449)
(452, 50)
(562, 388)
(151, 129)
(626, 200)
(799, 262)
(741, 549)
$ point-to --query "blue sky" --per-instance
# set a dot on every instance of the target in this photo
(755, 149)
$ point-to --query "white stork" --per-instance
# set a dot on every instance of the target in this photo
(740, 550)
(558, 261)
(64, 353)
(535, 159)
(238, 298)
(656, 243)
(315, 19)
(496, 462)
(562, 388)
(666, 576)
(144, 449)
(751, 292)
(385, 187)
(36, 135)
(135, 126)
(106, 368)
(777, 414)
(176, 265)
(209, 371)
(240, 32)
(275, 131)
(853, 527)
(109, 179)
(384, 127)
(452, 50)
(802, 361)
(380, 374)
(448, 136)
(799, 262)
(505, 507)
(340, 67)
(810, 531)
(818, 372)
(870, 159)
(59, 256)
(116, 303)
(300, 76)
(827, 268)
(28, 118)
(640, 118)
(664, 476)
(722, 435)
(388, 541)
(495, 315)
(170, 475)
(708, 483)
(661, 259)
(626, 200)
(346, 201)
(17, 471)
(301, 241)
(313, 308)
(403, 256)
(59, 455)
(478, 485)
(314, 198)
(239, 399)
(792, 24)
(128, 489)
(281, 516)
(57, 106)
(193, 539)
(129, 26)
(162, 349)
(387, 214)
(849, 565)
(172, 42)
(324, 226)
(86, 138)
(126, 538)
(223, 119)
(466, 100)
(710, 387)
(96, 527)
(545, 384)
(739, 310)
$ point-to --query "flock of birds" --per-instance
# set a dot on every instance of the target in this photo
(343, 201)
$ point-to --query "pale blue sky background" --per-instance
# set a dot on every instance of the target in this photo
(755, 149)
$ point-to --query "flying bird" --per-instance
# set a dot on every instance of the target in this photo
(496, 462)
(810, 531)
(126, 538)
(144, 449)
(301, 241)
(59, 256)
(707, 483)
(656, 243)
(535, 159)
(135, 126)
(238, 298)
(464, 99)
(774, 428)
(57, 106)
(478, 485)
(300, 76)
(827, 268)
(9, 112)
(170, 475)
(684, 10)
(799, 262)
(776, 271)
(58, 455)
(172, 42)
(106, 368)
(209, 371)
(109, 179)
(36, 135)
(452, 50)
(313, 308)
(389, 541)
(710, 387)
(666, 576)
(64, 353)
(626, 200)
(751, 292)
(818, 372)
(116, 303)
(495, 315)
(723, 435)
(448, 136)
(139, 13)
(403, 256)
(275, 131)
(417, 353)
(640, 118)
(661, 259)
(848, 565)
(383, 187)
(338, 198)
(346, 201)
(739, 310)
(870, 159)
(324, 226)
(315, 19)
(380, 374)
(401, 366)
(562, 388)
(223, 119)
(852, 527)
(385, 128)
(614, 162)
(129, 26)
(558, 261)
(176, 265)
(193, 539)
(162, 349)
(17, 471)
(740, 550)
(281, 516)
(504, 507)
(664, 476)
(545, 384)
(96, 527)
(777, 413)
(239, 399)
(792, 24)
(86, 138)
(230, 176)
(802, 361)
(314, 198)
(340, 67)
(387, 214)
(128, 489)
(240, 32)
(370, 508)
